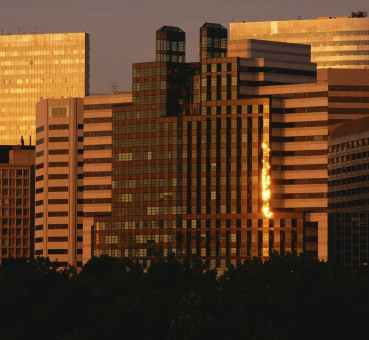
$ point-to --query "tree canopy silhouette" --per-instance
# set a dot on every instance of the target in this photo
(290, 297)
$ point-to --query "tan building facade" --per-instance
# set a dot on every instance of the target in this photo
(59, 146)
(336, 42)
(73, 174)
(16, 201)
(97, 160)
(32, 66)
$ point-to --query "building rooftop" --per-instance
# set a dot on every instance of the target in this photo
(353, 15)
(5, 151)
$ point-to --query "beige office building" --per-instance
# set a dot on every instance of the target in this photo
(97, 161)
(73, 173)
(336, 42)
(34, 66)
(59, 146)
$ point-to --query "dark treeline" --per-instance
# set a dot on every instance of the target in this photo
(284, 298)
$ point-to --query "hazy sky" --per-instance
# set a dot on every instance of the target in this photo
(122, 31)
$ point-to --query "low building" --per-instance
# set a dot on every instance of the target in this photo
(16, 201)
(349, 193)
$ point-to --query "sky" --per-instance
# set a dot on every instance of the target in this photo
(123, 31)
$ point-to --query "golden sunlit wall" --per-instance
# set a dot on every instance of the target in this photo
(32, 66)
(336, 42)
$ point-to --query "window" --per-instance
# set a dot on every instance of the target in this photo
(58, 239)
(126, 156)
(58, 127)
(58, 112)
(111, 239)
(126, 198)
(57, 251)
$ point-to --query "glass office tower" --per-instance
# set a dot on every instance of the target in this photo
(33, 66)
(336, 42)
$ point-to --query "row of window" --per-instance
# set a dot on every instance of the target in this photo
(349, 158)
(347, 169)
(349, 145)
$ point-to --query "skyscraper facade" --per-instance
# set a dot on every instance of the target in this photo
(73, 174)
(32, 66)
(97, 175)
(59, 156)
(336, 42)
(302, 120)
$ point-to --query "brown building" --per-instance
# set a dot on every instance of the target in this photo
(191, 173)
(230, 162)
(73, 173)
(16, 201)
(348, 199)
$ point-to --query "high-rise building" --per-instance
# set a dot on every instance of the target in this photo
(348, 194)
(96, 201)
(16, 201)
(237, 166)
(302, 118)
(73, 173)
(192, 178)
(336, 42)
(32, 66)
(59, 157)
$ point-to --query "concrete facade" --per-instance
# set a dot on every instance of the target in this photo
(73, 174)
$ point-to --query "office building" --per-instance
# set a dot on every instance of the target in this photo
(192, 163)
(96, 202)
(16, 201)
(73, 173)
(336, 42)
(348, 199)
(265, 63)
(34, 66)
(237, 166)
(59, 157)
(303, 116)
